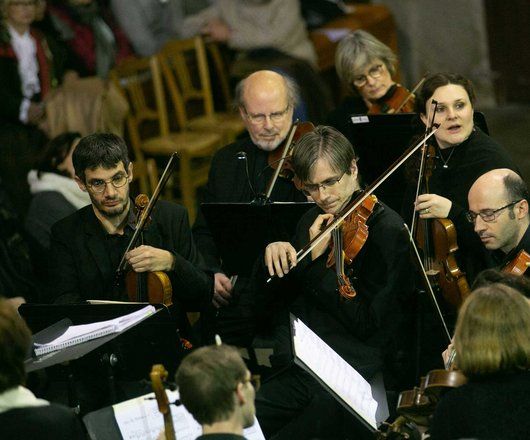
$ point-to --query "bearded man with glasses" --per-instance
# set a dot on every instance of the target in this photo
(238, 173)
(87, 246)
(364, 329)
(498, 210)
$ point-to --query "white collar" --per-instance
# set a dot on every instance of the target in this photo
(19, 397)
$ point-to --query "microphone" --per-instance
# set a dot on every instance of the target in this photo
(258, 199)
(241, 155)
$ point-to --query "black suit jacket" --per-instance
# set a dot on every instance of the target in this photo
(81, 268)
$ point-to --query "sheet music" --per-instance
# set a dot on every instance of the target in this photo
(140, 419)
(335, 372)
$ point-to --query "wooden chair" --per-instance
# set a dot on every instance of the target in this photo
(185, 70)
(145, 174)
(140, 82)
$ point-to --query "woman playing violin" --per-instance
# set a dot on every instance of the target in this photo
(492, 346)
(365, 67)
(463, 152)
(363, 329)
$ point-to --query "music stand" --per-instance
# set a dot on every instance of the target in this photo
(241, 231)
(126, 356)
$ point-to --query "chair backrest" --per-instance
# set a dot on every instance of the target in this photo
(145, 172)
(185, 69)
(140, 82)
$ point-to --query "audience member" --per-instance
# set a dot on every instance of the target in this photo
(95, 40)
(216, 387)
(266, 34)
(22, 415)
(151, 23)
(28, 75)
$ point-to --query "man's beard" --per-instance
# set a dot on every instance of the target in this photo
(111, 212)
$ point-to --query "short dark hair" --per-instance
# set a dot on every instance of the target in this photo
(55, 152)
(490, 276)
(323, 142)
(207, 379)
(434, 81)
(15, 339)
(105, 150)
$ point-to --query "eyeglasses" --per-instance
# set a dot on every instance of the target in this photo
(99, 185)
(488, 215)
(255, 380)
(260, 118)
(375, 72)
(312, 188)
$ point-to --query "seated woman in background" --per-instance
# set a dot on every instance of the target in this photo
(55, 196)
(28, 74)
(492, 343)
(366, 68)
(55, 192)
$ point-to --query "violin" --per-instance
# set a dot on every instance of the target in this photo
(397, 100)
(280, 158)
(337, 221)
(419, 403)
(158, 375)
(519, 264)
(154, 287)
(348, 241)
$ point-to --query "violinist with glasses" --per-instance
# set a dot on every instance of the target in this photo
(361, 323)
(366, 68)
(498, 210)
(87, 246)
(238, 174)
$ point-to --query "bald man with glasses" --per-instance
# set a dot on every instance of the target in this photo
(498, 210)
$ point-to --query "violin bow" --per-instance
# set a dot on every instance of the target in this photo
(421, 171)
(428, 283)
(302, 253)
(147, 211)
(281, 160)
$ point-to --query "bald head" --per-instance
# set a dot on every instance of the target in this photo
(498, 200)
(499, 184)
(266, 101)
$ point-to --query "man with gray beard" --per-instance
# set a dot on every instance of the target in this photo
(265, 100)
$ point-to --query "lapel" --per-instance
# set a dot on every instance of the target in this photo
(95, 239)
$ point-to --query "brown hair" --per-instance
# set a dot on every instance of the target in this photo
(433, 82)
(15, 339)
(492, 332)
(323, 142)
(207, 380)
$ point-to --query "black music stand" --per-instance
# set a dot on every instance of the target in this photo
(126, 356)
(379, 140)
(241, 231)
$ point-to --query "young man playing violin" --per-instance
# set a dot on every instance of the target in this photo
(498, 210)
(87, 246)
(362, 329)
(238, 173)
